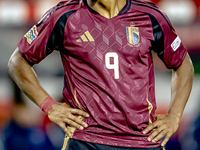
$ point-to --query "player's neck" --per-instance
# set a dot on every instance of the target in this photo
(107, 8)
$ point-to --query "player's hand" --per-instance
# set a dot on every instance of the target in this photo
(63, 115)
(164, 125)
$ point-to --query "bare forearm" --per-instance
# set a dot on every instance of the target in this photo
(25, 77)
(167, 125)
(181, 86)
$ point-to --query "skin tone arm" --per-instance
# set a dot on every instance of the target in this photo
(181, 85)
(25, 77)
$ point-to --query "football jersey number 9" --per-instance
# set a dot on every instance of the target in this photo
(115, 65)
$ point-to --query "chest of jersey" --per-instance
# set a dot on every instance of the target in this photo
(93, 35)
(122, 41)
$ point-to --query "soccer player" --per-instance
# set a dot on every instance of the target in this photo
(109, 89)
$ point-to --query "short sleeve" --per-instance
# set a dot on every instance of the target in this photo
(167, 44)
(42, 38)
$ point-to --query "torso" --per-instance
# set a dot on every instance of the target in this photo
(117, 95)
(108, 65)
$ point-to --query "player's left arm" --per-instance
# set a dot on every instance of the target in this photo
(181, 85)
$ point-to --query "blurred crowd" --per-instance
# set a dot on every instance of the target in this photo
(24, 127)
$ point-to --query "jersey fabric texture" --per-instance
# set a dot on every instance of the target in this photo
(108, 65)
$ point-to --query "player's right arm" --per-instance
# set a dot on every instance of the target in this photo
(25, 77)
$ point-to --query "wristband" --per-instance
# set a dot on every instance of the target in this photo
(47, 104)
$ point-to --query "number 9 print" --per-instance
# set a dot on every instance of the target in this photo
(115, 65)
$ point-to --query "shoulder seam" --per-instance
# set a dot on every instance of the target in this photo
(58, 32)
(146, 2)
(153, 8)
(52, 10)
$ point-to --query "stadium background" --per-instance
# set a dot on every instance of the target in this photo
(24, 126)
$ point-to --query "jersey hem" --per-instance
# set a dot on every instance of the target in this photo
(119, 142)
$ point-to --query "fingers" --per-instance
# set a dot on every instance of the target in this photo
(75, 122)
(64, 127)
(78, 121)
(164, 126)
(79, 112)
(63, 115)
(150, 127)
(68, 131)
(166, 139)
(157, 134)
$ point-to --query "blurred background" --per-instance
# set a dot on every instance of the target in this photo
(24, 127)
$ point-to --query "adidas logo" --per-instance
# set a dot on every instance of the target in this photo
(86, 37)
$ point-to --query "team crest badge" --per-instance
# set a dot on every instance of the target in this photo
(132, 34)
(31, 34)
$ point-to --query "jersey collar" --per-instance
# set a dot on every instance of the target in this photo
(124, 10)
(126, 7)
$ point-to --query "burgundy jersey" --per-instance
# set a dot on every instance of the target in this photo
(108, 65)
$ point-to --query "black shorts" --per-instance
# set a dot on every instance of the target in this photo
(82, 145)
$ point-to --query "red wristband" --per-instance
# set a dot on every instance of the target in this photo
(47, 104)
